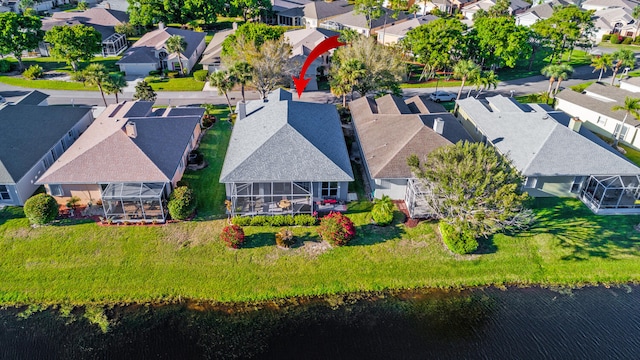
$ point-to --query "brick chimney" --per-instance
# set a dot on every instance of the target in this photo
(161, 25)
(438, 125)
(575, 123)
(131, 130)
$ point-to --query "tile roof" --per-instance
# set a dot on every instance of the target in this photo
(388, 135)
(285, 140)
(105, 153)
(538, 141)
(29, 132)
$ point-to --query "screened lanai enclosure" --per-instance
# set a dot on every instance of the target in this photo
(415, 199)
(135, 202)
(271, 198)
(114, 44)
(612, 194)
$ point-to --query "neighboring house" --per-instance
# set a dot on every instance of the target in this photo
(302, 43)
(211, 57)
(33, 136)
(129, 159)
(388, 131)
(393, 34)
(604, 4)
(631, 84)
(149, 53)
(594, 108)
(359, 23)
(285, 157)
(313, 13)
(540, 12)
(103, 20)
(426, 7)
(618, 20)
(556, 155)
(516, 7)
(279, 6)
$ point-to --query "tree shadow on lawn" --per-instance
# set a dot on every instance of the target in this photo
(10, 212)
(582, 234)
(268, 238)
(371, 234)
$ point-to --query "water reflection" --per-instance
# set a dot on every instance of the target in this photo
(590, 323)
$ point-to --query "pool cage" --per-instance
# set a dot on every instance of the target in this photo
(114, 44)
(612, 194)
(271, 198)
(135, 202)
(415, 199)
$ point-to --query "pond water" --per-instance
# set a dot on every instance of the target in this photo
(588, 323)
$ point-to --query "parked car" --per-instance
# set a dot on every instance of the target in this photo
(439, 96)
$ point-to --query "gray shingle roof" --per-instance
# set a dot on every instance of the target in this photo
(29, 132)
(539, 143)
(104, 153)
(103, 20)
(594, 103)
(143, 50)
(35, 97)
(352, 18)
(285, 140)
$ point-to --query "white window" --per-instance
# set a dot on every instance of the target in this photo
(4, 193)
(329, 189)
(617, 130)
(56, 190)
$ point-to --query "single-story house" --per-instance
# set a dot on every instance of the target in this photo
(393, 34)
(149, 53)
(593, 106)
(211, 57)
(555, 153)
(33, 136)
(285, 157)
(604, 4)
(101, 19)
(540, 12)
(359, 23)
(516, 7)
(617, 20)
(313, 13)
(129, 159)
(302, 42)
(631, 84)
(279, 6)
(389, 130)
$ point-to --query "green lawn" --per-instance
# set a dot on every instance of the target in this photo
(607, 44)
(177, 84)
(432, 84)
(578, 58)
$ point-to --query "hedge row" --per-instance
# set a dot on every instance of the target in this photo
(277, 220)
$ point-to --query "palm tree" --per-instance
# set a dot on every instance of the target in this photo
(176, 44)
(347, 77)
(636, 16)
(631, 106)
(464, 70)
(564, 72)
(623, 58)
(551, 71)
(114, 85)
(96, 75)
(242, 72)
(602, 63)
(488, 80)
(223, 82)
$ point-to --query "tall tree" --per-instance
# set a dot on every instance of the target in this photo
(347, 77)
(144, 92)
(464, 70)
(223, 83)
(625, 58)
(19, 33)
(631, 107)
(565, 71)
(500, 9)
(551, 71)
(271, 66)
(250, 8)
(488, 79)
(74, 43)
(371, 9)
(602, 63)
(176, 44)
(566, 26)
(251, 35)
(23, 5)
(145, 12)
(96, 75)
(114, 85)
(242, 72)
(500, 41)
(471, 184)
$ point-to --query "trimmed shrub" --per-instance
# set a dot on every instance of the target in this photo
(5, 66)
(233, 236)
(155, 72)
(172, 74)
(182, 203)
(201, 75)
(41, 209)
(637, 40)
(382, 211)
(33, 72)
(627, 41)
(285, 238)
(459, 240)
(259, 220)
(280, 220)
(616, 39)
(606, 37)
(241, 220)
(305, 220)
(336, 229)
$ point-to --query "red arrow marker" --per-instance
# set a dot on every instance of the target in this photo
(326, 45)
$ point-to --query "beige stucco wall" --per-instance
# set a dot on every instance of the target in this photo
(86, 192)
(552, 186)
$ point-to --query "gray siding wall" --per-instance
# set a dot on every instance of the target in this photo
(394, 188)
(552, 186)
(13, 193)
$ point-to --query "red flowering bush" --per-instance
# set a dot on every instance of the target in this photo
(233, 236)
(336, 229)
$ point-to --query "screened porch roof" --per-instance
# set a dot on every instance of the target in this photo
(133, 190)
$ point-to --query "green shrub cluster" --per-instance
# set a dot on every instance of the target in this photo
(172, 74)
(616, 39)
(201, 75)
(41, 209)
(5, 66)
(285, 238)
(606, 37)
(277, 220)
(232, 236)
(627, 41)
(33, 72)
(458, 239)
(155, 72)
(382, 211)
(182, 203)
(336, 229)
